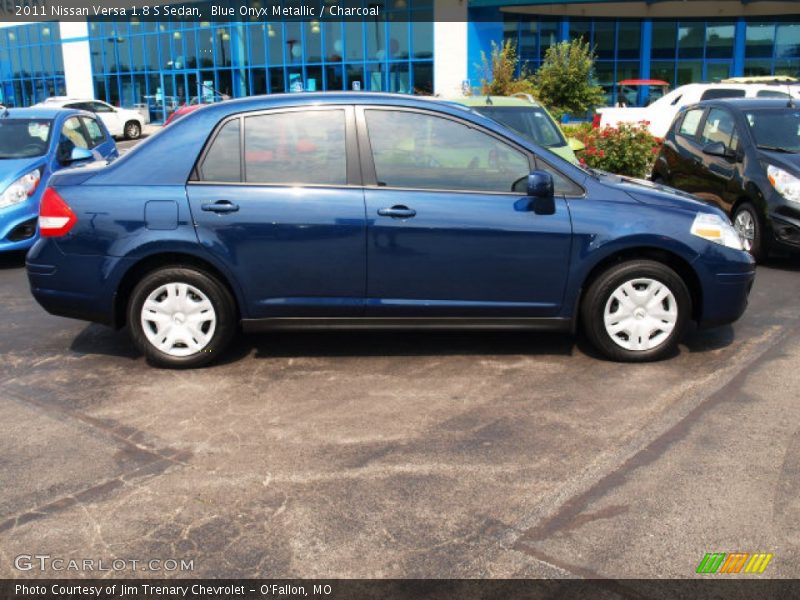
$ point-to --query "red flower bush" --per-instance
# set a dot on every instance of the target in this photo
(629, 149)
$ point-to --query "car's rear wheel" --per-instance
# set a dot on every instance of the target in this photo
(748, 226)
(132, 130)
(636, 311)
(180, 317)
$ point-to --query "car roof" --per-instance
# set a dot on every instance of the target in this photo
(64, 100)
(41, 112)
(266, 102)
(491, 101)
(749, 103)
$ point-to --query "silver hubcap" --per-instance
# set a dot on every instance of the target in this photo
(746, 228)
(640, 314)
(178, 319)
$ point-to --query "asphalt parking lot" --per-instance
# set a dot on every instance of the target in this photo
(401, 455)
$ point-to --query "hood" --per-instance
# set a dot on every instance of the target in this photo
(13, 168)
(787, 162)
(655, 194)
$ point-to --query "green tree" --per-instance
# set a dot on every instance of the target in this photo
(564, 81)
(499, 72)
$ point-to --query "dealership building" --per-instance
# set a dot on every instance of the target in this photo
(417, 46)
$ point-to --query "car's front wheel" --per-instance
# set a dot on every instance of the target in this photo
(748, 226)
(132, 130)
(636, 311)
(180, 317)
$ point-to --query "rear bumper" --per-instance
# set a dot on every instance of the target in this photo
(86, 290)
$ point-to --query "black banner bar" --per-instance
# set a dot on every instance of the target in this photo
(220, 10)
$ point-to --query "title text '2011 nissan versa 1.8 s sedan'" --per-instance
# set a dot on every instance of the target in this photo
(353, 210)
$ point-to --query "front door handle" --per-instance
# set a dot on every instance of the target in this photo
(220, 206)
(397, 212)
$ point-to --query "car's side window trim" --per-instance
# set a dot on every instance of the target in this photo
(369, 173)
(352, 166)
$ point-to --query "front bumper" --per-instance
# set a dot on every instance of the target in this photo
(726, 278)
(18, 226)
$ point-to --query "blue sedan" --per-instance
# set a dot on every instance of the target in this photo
(356, 210)
(34, 143)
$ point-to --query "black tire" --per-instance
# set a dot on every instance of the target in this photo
(217, 294)
(132, 131)
(758, 244)
(599, 294)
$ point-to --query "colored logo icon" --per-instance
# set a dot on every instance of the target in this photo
(734, 562)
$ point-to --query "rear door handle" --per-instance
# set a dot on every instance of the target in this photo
(220, 206)
(397, 212)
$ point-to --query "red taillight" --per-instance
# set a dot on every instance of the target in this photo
(596, 120)
(55, 216)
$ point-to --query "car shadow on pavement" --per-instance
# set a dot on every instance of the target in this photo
(12, 260)
(783, 263)
(98, 339)
(705, 340)
(392, 343)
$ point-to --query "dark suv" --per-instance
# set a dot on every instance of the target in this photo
(744, 156)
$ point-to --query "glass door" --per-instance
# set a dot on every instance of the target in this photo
(716, 70)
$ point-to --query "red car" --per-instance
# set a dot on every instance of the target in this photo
(194, 104)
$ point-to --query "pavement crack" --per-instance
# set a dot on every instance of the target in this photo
(568, 515)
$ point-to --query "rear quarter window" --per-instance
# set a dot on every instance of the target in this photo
(722, 93)
(222, 162)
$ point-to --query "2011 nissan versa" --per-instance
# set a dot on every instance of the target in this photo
(354, 210)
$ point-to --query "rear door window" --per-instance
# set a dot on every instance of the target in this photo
(771, 94)
(299, 147)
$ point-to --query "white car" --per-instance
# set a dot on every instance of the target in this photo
(120, 122)
(660, 113)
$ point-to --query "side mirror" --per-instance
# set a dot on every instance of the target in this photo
(575, 144)
(540, 193)
(79, 154)
(719, 149)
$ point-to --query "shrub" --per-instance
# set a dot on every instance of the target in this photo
(564, 81)
(630, 149)
(499, 72)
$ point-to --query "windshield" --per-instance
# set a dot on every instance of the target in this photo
(24, 138)
(530, 122)
(776, 129)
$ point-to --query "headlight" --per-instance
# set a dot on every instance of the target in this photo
(22, 189)
(716, 229)
(786, 184)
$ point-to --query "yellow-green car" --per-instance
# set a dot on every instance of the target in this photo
(527, 117)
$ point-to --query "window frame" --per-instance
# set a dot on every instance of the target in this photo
(369, 172)
(352, 167)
